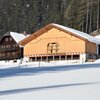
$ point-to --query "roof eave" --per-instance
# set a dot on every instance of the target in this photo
(44, 29)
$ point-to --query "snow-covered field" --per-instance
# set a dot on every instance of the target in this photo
(63, 82)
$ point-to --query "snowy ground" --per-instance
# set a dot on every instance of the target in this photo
(63, 82)
(10, 64)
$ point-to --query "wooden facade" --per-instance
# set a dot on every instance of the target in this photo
(9, 48)
(54, 43)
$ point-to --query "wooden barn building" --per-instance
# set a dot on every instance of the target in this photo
(55, 42)
(9, 47)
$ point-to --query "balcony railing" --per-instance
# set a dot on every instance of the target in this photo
(11, 57)
(8, 49)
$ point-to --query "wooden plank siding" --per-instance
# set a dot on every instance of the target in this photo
(9, 49)
(90, 48)
(68, 43)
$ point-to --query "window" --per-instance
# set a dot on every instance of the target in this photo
(3, 47)
(10, 38)
(15, 45)
(8, 53)
(6, 39)
(52, 48)
(76, 57)
(13, 53)
(7, 46)
(3, 54)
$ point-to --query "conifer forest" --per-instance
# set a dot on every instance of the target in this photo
(31, 15)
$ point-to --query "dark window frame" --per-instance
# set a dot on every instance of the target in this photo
(52, 47)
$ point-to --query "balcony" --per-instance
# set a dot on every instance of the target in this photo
(9, 57)
(8, 49)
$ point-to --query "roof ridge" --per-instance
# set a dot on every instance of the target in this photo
(63, 28)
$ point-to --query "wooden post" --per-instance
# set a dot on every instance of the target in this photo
(41, 58)
(53, 57)
(65, 57)
(47, 58)
(60, 57)
(71, 57)
(35, 59)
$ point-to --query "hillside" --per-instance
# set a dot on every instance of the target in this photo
(31, 15)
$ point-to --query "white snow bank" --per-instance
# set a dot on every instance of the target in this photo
(97, 61)
(10, 63)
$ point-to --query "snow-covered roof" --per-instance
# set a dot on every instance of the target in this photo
(63, 28)
(17, 36)
(79, 33)
(97, 36)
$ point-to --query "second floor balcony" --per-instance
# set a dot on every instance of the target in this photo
(8, 49)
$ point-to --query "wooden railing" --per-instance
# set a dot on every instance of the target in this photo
(11, 57)
(8, 49)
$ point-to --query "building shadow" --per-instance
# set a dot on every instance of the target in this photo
(20, 71)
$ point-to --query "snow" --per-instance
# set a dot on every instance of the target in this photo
(97, 61)
(63, 82)
(79, 33)
(17, 37)
(25, 63)
(98, 36)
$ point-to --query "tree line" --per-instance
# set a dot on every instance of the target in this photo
(84, 15)
(31, 15)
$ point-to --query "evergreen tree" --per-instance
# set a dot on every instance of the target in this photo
(31, 15)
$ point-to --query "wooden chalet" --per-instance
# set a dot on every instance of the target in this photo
(57, 42)
(9, 47)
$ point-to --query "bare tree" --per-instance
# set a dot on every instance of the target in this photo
(98, 13)
(87, 16)
(91, 3)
